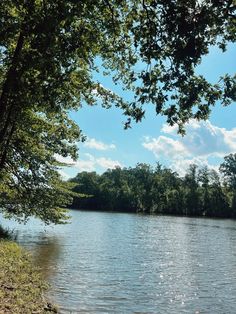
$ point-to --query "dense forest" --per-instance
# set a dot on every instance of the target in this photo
(145, 189)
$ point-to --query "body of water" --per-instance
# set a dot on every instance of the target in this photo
(127, 263)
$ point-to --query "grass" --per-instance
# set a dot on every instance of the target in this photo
(21, 285)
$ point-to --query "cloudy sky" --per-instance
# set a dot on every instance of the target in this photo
(108, 145)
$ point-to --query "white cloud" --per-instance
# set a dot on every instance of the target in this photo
(63, 175)
(66, 160)
(90, 163)
(85, 165)
(98, 145)
(167, 129)
(181, 165)
(108, 163)
(202, 141)
(165, 146)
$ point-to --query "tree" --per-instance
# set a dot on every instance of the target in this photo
(47, 49)
(218, 201)
(228, 169)
(144, 189)
(192, 191)
(116, 191)
(204, 180)
(48, 52)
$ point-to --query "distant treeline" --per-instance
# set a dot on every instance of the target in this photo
(145, 189)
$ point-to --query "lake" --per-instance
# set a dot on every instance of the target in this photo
(128, 263)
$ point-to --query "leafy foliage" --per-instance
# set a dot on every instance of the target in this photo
(158, 190)
(228, 168)
(48, 53)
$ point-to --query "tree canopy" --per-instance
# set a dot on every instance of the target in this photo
(159, 190)
(48, 53)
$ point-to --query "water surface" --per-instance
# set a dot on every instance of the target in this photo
(126, 263)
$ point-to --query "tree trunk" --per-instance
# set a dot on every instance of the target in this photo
(7, 103)
(11, 76)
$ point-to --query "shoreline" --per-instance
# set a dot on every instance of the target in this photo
(152, 214)
(22, 289)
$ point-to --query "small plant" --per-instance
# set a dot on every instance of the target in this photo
(7, 234)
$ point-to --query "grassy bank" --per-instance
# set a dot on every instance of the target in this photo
(21, 285)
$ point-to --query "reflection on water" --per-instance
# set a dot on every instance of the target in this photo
(46, 253)
(125, 263)
(43, 244)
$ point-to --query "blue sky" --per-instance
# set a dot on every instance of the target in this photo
(109, 145)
